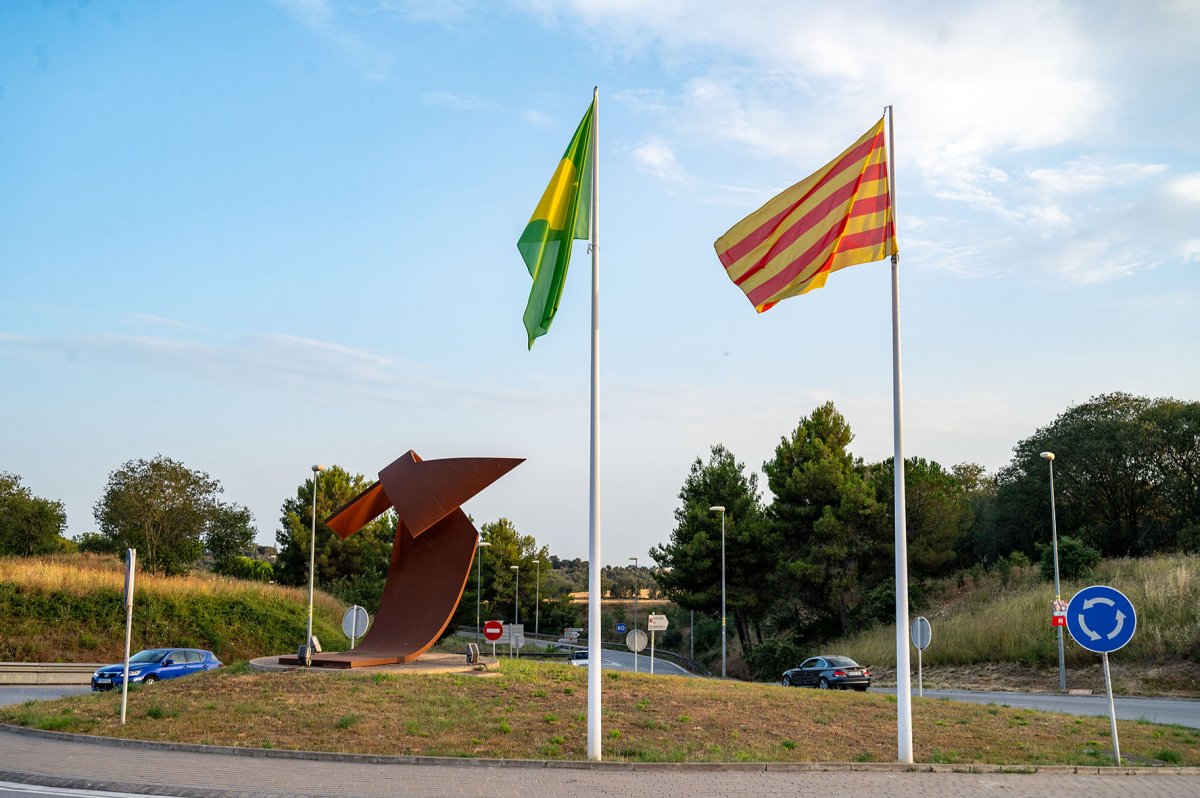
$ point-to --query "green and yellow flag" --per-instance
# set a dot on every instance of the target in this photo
(563, 215)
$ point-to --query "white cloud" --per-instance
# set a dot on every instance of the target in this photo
(657, 158)
(322, 18)
(459, 102)
(276, 361)
(1185, 187)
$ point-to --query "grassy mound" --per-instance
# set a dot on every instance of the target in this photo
(532, 710)
(1004, 617)
(72, 609)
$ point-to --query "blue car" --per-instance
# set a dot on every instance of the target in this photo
(152, 664)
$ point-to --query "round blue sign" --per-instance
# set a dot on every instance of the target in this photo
(1101, 618)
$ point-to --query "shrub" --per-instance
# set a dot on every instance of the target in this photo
(1076, 559)
(772, 657)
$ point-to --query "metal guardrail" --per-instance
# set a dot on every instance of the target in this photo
(47, 672)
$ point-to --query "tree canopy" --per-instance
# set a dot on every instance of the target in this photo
(355, 568)
(160, 507)
(29, 524)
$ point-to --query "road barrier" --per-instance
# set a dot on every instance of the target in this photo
(47, 672)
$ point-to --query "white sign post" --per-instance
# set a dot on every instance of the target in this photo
(130, 566)
(354, 623)
(921, 635)
(655, 623)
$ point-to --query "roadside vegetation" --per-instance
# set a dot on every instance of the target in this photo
(71, 608)
(531, 710)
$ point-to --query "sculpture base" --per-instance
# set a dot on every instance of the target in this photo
(346, 659)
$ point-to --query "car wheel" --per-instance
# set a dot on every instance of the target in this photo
(786, 681)
(824, 685)
(151, 679)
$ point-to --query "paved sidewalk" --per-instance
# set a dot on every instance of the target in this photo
(88, 763)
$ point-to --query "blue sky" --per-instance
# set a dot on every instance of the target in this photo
(252, 236)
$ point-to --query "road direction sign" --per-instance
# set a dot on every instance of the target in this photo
(921, 633)
(656, 623)
(1101, 618)
(354, 622)
(493, 630)
(636, 640)
(622, 628)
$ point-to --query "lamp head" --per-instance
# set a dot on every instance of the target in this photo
(514, 567)
(717, 508)
(1047, 455)
(317, 468)
(483, 544)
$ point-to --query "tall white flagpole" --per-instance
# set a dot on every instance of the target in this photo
(904, 742)
(594, 630)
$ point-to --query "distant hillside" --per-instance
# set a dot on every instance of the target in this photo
(71, 609)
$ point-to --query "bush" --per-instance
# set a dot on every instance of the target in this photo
(770, 658)
(1076, 559)
(247, 568)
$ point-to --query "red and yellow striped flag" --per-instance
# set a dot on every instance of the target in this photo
(839, 216)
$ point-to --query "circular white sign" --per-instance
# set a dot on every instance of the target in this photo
(355, 621)
(636, 640)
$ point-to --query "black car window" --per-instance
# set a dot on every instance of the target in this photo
(842, 662)
(809, 663)
(194, 656)
(818, 663)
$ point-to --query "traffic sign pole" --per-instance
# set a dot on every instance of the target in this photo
(1112, 711)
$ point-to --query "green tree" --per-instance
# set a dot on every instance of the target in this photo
(229, 535)
(937, 511)
(362, 557)
(1177, 460)
(690, 564)
(1110, 480)
(29, 525)
(159, 507)
(977, 543)
(831, 541)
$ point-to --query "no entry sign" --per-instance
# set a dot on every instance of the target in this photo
(493, 630)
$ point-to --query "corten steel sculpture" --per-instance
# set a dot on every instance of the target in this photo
(431, 554)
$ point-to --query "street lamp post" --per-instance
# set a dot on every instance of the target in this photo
(636, 590)
(1062, 665)
(516, 569)
(720, 508)
(537, 597)
(482, 544)
(306, 649)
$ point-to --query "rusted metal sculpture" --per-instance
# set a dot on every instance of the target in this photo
(431, 554)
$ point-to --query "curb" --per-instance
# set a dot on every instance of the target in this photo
(559, 764)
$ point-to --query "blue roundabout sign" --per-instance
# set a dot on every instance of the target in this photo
(1101, 618)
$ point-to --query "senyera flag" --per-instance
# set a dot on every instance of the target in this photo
(839, 216)
(562, 215)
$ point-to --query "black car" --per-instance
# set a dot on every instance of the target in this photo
(828, 672)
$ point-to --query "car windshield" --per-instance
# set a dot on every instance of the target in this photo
(841, 662)
(150, 655)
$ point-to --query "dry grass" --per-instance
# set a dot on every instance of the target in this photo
(992, 619)
(537, 710)
(84, 574)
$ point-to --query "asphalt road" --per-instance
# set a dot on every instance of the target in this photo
(1180, 711)
(20, 693)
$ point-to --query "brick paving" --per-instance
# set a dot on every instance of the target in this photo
(57, 760)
